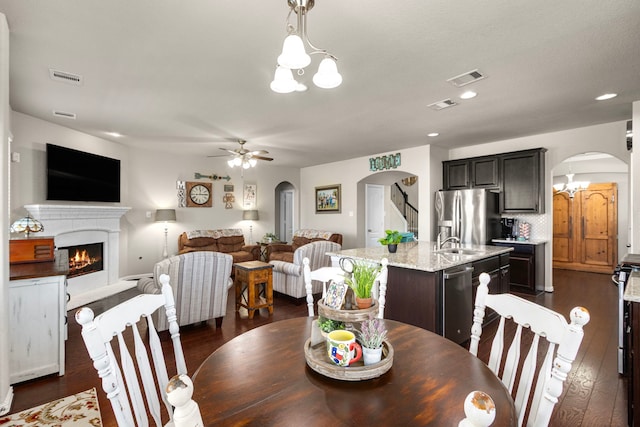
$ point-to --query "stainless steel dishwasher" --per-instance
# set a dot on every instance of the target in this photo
(458, 307)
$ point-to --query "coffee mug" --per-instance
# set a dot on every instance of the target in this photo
(342, 347)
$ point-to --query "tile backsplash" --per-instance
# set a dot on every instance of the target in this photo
(538, 225)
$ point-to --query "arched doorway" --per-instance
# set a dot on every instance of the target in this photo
(394, 189)
(587, 222)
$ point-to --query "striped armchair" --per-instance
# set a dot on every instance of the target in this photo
(200, 282)
(288, 277)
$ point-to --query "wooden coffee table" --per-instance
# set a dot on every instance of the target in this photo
(256, 278)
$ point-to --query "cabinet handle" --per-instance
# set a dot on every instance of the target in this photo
(582, 226)
(571, 227)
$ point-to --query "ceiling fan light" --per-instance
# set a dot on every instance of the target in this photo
(283, 81)
(293, 55)
(327, 76)
(230, 163)
(237, 161)
(246, 165)
(252, 162)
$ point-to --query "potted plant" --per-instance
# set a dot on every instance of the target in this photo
(270, 238)
(328, 325)
(361, 281)
(371, 335)
(391, 239)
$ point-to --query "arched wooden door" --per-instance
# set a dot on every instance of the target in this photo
(585, 229)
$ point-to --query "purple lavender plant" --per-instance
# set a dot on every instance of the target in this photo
(372, 333)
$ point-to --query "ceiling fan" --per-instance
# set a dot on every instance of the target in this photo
(243, 157)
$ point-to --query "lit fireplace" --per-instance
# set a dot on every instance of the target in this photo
(84, 259)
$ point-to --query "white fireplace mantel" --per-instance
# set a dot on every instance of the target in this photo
(79, 224)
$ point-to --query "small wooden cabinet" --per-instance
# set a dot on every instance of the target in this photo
(526, 273)
(481, 172)
(31, 250)
(37, 316)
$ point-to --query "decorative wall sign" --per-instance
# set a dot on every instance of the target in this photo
(228, 200)
(228, 188)
(392, 161)
(328, 199)
(182, 200)
(249, 196)
(212, 177)
(199, 194)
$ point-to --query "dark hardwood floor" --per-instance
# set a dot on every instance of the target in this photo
(594, 394)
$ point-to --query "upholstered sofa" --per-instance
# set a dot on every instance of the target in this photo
(200, 283)
(284, 252)
(227, 240)
(288, 277)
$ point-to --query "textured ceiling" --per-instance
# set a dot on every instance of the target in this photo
(183, 76)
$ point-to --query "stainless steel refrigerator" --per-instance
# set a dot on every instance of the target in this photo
(471, 215)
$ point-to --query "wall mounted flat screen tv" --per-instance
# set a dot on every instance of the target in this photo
(74, 175)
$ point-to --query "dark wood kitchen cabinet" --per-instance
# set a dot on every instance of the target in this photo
(522, 182)
(479, 172)
(497, 268)
(526, 272)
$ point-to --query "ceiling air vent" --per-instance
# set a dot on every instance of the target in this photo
(441, 105)
(63, 76)
(64, 114)
(466, 78)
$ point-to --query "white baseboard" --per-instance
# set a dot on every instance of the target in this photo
(83, 299)
(6, 404)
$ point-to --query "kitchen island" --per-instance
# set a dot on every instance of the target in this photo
(435, 289)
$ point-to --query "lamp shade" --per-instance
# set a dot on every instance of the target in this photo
(165, 215)
(293, 54)
(27, 225)
(327, 76)
(250, 215)
(283, 81)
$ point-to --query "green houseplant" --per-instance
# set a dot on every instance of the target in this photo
(391, 240)
(361, 281)
(371, 335)
(270, 237)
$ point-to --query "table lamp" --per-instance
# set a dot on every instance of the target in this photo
(28, 225)
(166, 216)
(250, 215)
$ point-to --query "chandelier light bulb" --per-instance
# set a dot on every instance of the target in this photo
(283, 81)
(327, 76)
(293, 55)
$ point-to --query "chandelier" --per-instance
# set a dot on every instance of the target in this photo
(294, 56)
(571, 187)
(245, 160)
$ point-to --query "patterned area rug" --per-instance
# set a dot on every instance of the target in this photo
(79, 410)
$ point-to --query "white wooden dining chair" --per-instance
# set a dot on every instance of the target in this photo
(121, 375)
(327, 274)
(563, 342)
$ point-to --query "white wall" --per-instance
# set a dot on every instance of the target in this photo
(634, 186)
(607, 138)
(5, 389)
(148, 183)
(419, 161)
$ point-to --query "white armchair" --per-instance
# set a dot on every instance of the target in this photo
(288, 278)
(200, 281)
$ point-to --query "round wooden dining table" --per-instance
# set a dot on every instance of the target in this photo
(261, 378)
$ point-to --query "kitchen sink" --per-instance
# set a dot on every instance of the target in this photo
(458, 251)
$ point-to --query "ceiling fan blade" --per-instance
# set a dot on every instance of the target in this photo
(234, 152)
(262, 158)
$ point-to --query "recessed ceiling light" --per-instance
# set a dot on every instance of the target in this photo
(468, 95)
(433, 134)
(114, 134)
(606, 96)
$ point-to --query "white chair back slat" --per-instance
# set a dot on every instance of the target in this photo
(511, 362)
(121, 378)
(495, 357)
(527, 378)
(322, 274)
(131, 383)
(146, 375)
(382, 291)
(544, 323)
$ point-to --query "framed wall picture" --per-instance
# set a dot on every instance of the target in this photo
(328, 199)
(249, 196)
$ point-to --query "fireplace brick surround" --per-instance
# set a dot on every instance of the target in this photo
(80, 224)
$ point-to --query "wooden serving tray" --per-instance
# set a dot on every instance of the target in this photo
(347, 315)
(318, 360)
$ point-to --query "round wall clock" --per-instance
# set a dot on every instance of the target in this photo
(199, 194)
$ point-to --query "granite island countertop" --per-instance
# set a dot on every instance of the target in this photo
(632, 290)
(422, 255)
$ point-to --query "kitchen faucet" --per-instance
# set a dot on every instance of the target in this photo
(440, 244)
